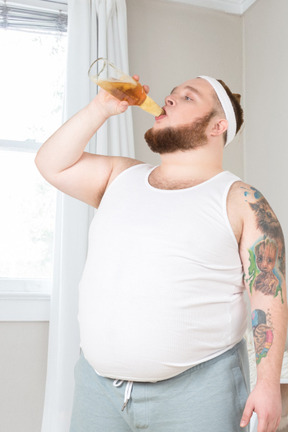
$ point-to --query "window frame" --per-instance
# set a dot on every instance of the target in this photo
(24, 307)
(24, 299)
(20, 298)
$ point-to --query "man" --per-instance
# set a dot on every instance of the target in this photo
(161, 309)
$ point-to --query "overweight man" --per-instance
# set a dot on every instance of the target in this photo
(172, 249)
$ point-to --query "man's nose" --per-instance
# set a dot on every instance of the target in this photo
(169, 100)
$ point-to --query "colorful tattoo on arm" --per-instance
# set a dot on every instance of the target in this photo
(268, 224)
(266, 281)
(252, 270)
(263, 334)
(267, 256)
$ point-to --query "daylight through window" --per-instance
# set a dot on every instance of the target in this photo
(32, 90)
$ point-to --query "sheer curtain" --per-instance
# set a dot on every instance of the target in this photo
(96, 28)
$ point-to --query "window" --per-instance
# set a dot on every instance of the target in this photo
(33, 62)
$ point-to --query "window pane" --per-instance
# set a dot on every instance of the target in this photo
(27, 218)
(33, 67)
(31, 85)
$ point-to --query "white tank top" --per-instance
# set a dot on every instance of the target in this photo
(162, 289)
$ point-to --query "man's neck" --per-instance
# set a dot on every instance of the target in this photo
(200, 161)
(186, 169)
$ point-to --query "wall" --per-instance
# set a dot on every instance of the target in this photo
(172, 42)
(266, 94)
(23, 363)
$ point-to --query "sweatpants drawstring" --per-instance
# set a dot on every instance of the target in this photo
(128, 391)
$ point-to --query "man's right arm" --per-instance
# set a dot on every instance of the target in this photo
(62, 160)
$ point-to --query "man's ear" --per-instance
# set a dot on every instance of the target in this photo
(219, 127)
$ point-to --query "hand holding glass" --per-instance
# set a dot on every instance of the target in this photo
(107, 76)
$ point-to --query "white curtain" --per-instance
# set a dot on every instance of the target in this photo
(96, 28)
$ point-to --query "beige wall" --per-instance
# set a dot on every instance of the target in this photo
(172, 42)
(22, 375)
(266, 93)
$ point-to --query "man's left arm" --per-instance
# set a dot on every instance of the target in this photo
(262, 251)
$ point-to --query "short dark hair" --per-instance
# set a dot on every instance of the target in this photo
(235, 100)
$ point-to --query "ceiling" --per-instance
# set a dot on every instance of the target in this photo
(237, 7)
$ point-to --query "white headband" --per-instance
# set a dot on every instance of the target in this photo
(226, 105)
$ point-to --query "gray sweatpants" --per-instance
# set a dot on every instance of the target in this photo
(208, 397)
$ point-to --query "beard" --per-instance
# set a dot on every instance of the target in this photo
(182, 138)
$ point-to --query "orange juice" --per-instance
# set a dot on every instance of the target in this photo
(134, 94)
(125, 91)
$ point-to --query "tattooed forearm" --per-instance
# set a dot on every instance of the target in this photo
(263, 334)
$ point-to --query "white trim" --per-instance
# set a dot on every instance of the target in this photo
(40, 4)
(24, 286)
(28, 145)
(245, 5)
(237, 7)
(24, 307)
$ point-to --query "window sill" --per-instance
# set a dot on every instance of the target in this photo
(24, 307)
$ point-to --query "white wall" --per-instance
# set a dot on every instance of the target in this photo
(266, 106)
(172, 42)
